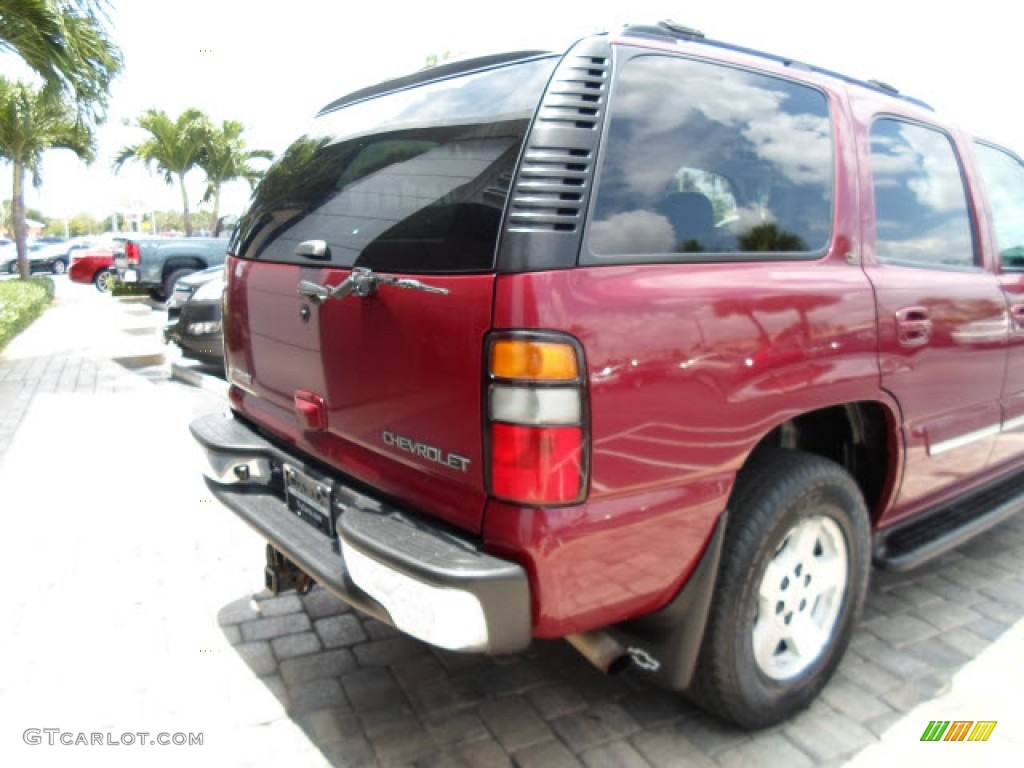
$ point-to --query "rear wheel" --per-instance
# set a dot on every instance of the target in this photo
(59, 267)
(104, 281)
(792, 583)
(171, 279)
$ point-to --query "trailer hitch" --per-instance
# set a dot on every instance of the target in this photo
(281, 574)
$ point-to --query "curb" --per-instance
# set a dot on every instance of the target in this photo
(192, 374)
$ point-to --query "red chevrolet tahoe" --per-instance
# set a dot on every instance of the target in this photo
(656, 345)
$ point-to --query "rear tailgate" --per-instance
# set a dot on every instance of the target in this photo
(383, 384)
(398, 372)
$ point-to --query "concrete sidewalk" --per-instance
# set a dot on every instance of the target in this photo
(115, 556)
(132, 605)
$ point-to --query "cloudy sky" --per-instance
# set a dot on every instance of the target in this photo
(273, 65)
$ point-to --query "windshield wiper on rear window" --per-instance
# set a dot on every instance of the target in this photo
(361, 282)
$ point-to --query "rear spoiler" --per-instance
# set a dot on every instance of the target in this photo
(432, 74)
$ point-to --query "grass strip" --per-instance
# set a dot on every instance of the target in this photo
(21, 302)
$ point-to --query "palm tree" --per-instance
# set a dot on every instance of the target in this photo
(226, 158)
(30, 123)
(66, 43)
(174, 147)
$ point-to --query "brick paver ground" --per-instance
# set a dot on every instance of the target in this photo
(129, 607)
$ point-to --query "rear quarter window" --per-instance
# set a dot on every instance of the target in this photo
(704, 162)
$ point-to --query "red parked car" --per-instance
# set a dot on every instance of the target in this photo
(94, 265)
(654, 345)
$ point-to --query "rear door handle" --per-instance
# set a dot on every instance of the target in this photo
(913, 326)
(1017, 315)
(313, 291)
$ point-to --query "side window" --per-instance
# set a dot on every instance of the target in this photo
(1003, 177)
(921, 216)
(707, 161)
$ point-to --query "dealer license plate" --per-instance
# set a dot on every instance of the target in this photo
(309, 498)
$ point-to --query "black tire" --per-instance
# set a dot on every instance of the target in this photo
(104, 280)
(171, 279)
(59, 267)
(790, 515)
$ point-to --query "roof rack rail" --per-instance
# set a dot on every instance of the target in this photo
(673, 31)
(681, 29)
(429, 74)
(884, 86)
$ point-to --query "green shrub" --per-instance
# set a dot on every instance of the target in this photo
(127, 289)
(21, 302)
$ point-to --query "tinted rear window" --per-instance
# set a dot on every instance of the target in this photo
(706, 161)
(413, 181)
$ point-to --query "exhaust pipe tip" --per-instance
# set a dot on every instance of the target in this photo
(619, 664)
(602, 650)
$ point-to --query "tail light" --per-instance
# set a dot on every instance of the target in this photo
(131, 253)
(536, 409)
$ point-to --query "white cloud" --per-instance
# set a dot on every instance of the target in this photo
(633, 232)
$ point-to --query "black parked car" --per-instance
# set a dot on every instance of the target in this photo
(44, 255)
(194, 316)
(9, 258)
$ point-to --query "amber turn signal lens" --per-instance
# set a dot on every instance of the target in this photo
(533, 360)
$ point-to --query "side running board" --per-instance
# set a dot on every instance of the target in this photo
(908, 544)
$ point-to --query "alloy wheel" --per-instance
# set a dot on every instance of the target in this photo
(800, 597)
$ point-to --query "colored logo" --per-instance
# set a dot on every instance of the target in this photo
(959, 730)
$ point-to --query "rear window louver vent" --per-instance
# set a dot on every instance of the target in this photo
(549, 195)
(576, 95)
(551, 190)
